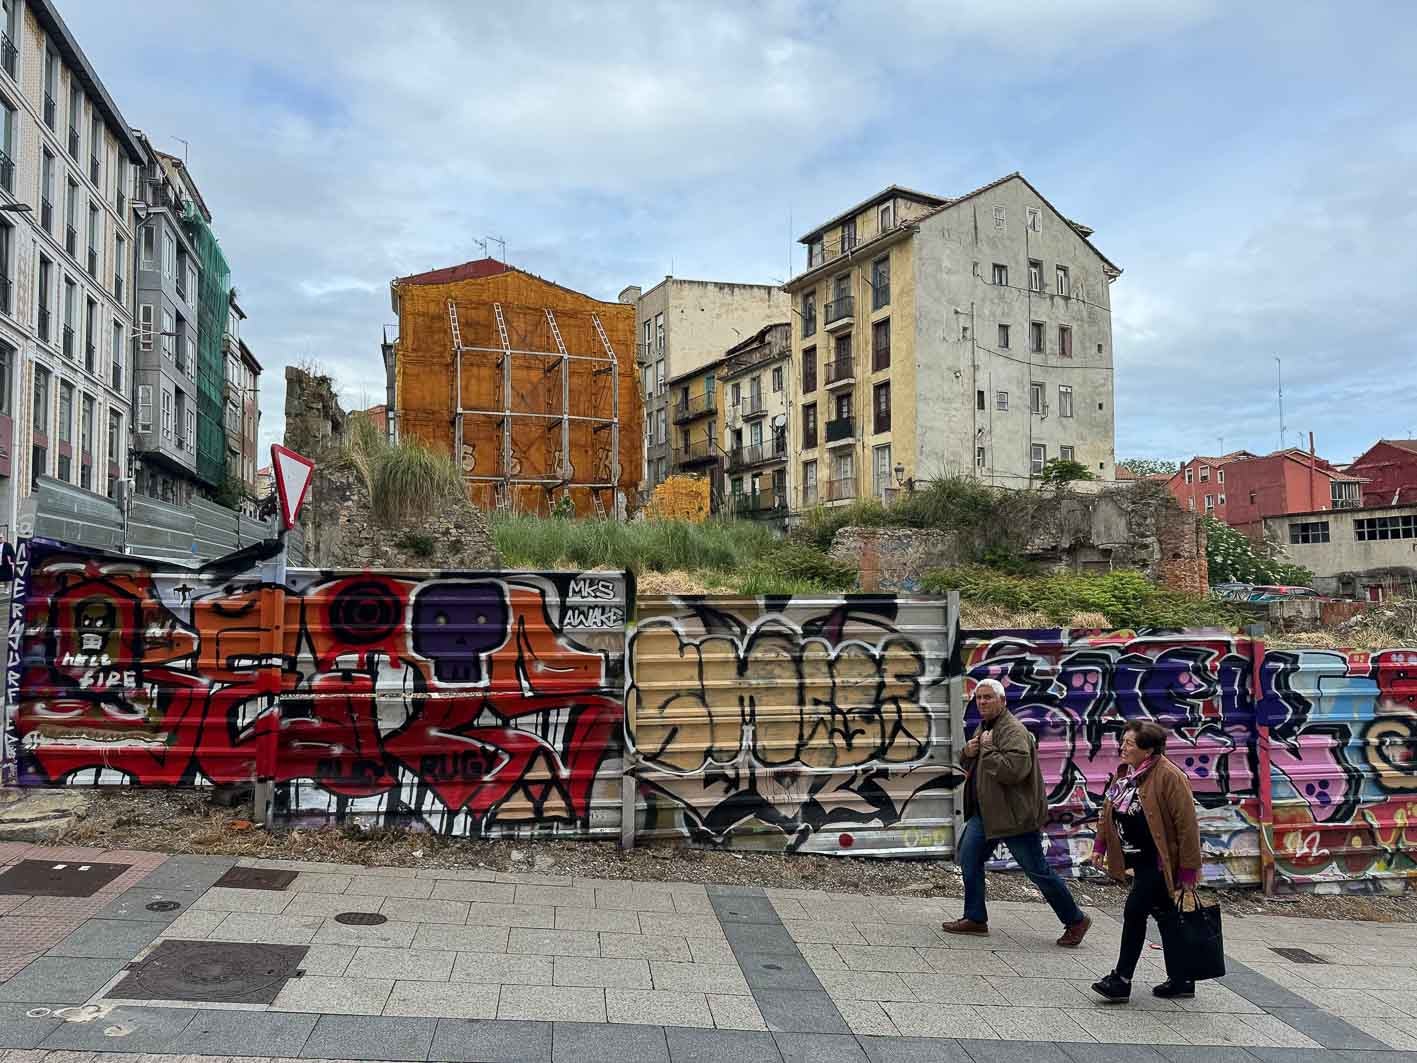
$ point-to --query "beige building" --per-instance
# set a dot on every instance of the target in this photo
(684, 326)
(1361, 553)
(753, 379)
(937, 336)
(67, 160)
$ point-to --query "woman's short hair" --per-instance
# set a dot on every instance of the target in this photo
(1149, 737)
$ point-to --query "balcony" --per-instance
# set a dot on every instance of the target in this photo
(702, 452)
(840, 312)
(842, 430)
(757, 453)
(842, 489)
(758, 504)
(752, 406)
(646, 353)
(840, 372)
(697, 406)
(8, 54)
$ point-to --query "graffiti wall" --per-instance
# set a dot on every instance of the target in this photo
(464, 703)
(811, 725)
(1303, 762)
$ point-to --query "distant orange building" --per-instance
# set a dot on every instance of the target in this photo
(378, 416)
(532, 387)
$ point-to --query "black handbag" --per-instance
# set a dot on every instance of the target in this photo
(1200, 946)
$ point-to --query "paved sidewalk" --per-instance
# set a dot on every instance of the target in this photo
(330, 961)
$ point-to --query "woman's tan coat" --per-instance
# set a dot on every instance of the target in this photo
(1170, 813)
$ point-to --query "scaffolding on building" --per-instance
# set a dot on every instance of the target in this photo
(535, 406)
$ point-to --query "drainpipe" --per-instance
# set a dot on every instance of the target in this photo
(1266, 780)
(1312, 471)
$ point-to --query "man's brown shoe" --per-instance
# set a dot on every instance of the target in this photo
(965, 926)
(1073, 935)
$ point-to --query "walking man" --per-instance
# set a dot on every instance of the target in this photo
(1003, 802)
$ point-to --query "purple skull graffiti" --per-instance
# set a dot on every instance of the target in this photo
(455, 624)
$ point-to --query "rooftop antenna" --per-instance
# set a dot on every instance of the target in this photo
(789, 241)
(1279, 368)
(185, 146)
(482, 244)
(497, 240)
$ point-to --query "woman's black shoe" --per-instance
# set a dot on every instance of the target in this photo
(1171, 989)
(1113, 988)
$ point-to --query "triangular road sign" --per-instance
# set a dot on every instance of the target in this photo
(293, 474)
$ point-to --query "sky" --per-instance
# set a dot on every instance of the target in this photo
(1251, 167)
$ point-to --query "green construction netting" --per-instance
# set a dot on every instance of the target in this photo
(211, 361)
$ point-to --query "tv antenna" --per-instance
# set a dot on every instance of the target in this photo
(1279, 368)
(495, 240)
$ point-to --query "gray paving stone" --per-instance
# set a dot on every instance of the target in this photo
(369, 1037)
(772, 970)
(499, 968)
(452, 1000)
(702, 950)
(799, 1011)
(474, 891)
(736, 1013)
(537, 917)
(644, 947)
(687, 926)
(553, 942)
(410, 965)
(60, 980)
(263, 929)
(244, 1033)
(688, 1045)
(639, 899)
(1328, 1030)
(699, 977)
(601, 920)
(143, 1030)
(732, 909)
(334, 995)
(1014, 1052)
(464, 1041)
(384, 886)
(819, 1048)
(562, 1004)
(1258, 989)
(228, 899)
(1081, 1052)
(1326, 1055)
(132, 904)
(413, 910)
(315, 882)
(758, 937)
(914, 1050)
(388, 935)
(326, 905)
(658, 1007)
(1213, 1054)
(557, 896)
(462, 938)
(115, 938)
(176, 874)
(714, 890)
(18, 1030)
(595, 971)
(459, 874)
(193, 926)
(588, 1042)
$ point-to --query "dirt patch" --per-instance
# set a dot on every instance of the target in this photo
(186, 821)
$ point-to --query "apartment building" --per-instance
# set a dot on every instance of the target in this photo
(1199, 484)
(1361, 552)
(243, 409)
(1389, 472)
(753, 379)
(685, 325)
(66, 163)
(1287, 481)
(938, 336)
(695, 400)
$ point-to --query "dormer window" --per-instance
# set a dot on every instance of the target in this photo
(887, 217)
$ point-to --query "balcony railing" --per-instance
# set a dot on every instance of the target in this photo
(841, 428)
(645, 353)
(8, 54)
(755, 453)
(842, 308)
(7, 172)
(696, 406)
(758, 504)
(840, 371)
(698, 453)
(841, 489)
(752, 405)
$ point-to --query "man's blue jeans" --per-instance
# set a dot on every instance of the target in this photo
(974, 851)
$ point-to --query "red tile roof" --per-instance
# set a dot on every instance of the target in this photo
(481, 267)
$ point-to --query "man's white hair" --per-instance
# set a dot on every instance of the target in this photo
(990, 684)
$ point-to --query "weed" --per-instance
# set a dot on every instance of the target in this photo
(419, 544)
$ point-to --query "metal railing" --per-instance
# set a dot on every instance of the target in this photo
(8, 54)
(697, 406)
(840, 309)
(702, 451)
(754, 453)
(7, 172)
(841, 428)
(752, 405)
(842, 488)
(839, 370)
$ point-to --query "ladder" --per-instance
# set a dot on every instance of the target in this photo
(457, 384)
(564, 466)
(453, 321)
(597, 505)
(506, 390)
(503, 501)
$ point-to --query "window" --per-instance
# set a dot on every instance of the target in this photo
(1035, 220)
(1038, 457)
(843, 406)
(1064, 286)
(843, 481)
(7, 251)
(8, 356)
(1220, 475)
(169, 256)
(659, 377)
(7, 147)
(1001, 400)
(115, 441)
(809, 425)
(51, 85)
(86, 426)
(65, 468)
(76, 106)
(95, 148)
(93, 241)
(1001, 274)
(192, 290)
(815, 257)
(1222, 500)
(809, 314)
(848, 235)
(809, 483)
(90, 336)
(1035, 275)
(1065, 453)
(145, 327)
(1065, 341)
(118, 356)
(755, 393)
(46, 192)
(881, 403)
(885, 217)
(755, 434)
(46, 282)
(809, 370)
(979, 457)
(1035, 337)
(880, 283)
(1372, 529)
(169, 333)
(1003, 337)
(1037, 402)
(39, 454)
(979, 400)
(881, 470)
(166, 414)
(148, 246)
(1210, 503)
(1252, 497)
(1000, 219)
(120, 185)
(12, 34)
(735, 394)
(662, 428)
(1205, 474)
(71, 316)
(881, 345)
(777, 378)
(181, 274)
(1065, 400)
(71, 217)
(647, 379)
(841, 355)
(191, 428)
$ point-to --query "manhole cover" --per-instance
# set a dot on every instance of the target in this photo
(163, 906)
(361, 918)
(226, 972)
(1298, 955)
(50, 878)
(256, 878)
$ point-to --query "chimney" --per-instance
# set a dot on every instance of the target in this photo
(631, 294)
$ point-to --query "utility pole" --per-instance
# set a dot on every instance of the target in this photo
(1279, 368)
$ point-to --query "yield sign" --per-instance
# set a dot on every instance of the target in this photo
(293, 473)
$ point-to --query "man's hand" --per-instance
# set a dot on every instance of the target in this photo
(971, 748)
(986, 740)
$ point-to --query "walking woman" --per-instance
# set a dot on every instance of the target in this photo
(1149, 832)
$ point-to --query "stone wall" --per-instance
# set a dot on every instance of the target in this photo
(894, 559)
(314, 419)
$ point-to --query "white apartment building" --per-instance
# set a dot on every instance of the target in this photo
(65, 263)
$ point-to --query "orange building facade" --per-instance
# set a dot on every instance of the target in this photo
(532, 387)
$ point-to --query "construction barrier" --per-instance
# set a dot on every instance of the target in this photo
(516, 703)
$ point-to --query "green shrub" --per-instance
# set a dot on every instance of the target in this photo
(419, 544)
(410, 481)
(796, 568)
(1232, 557)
